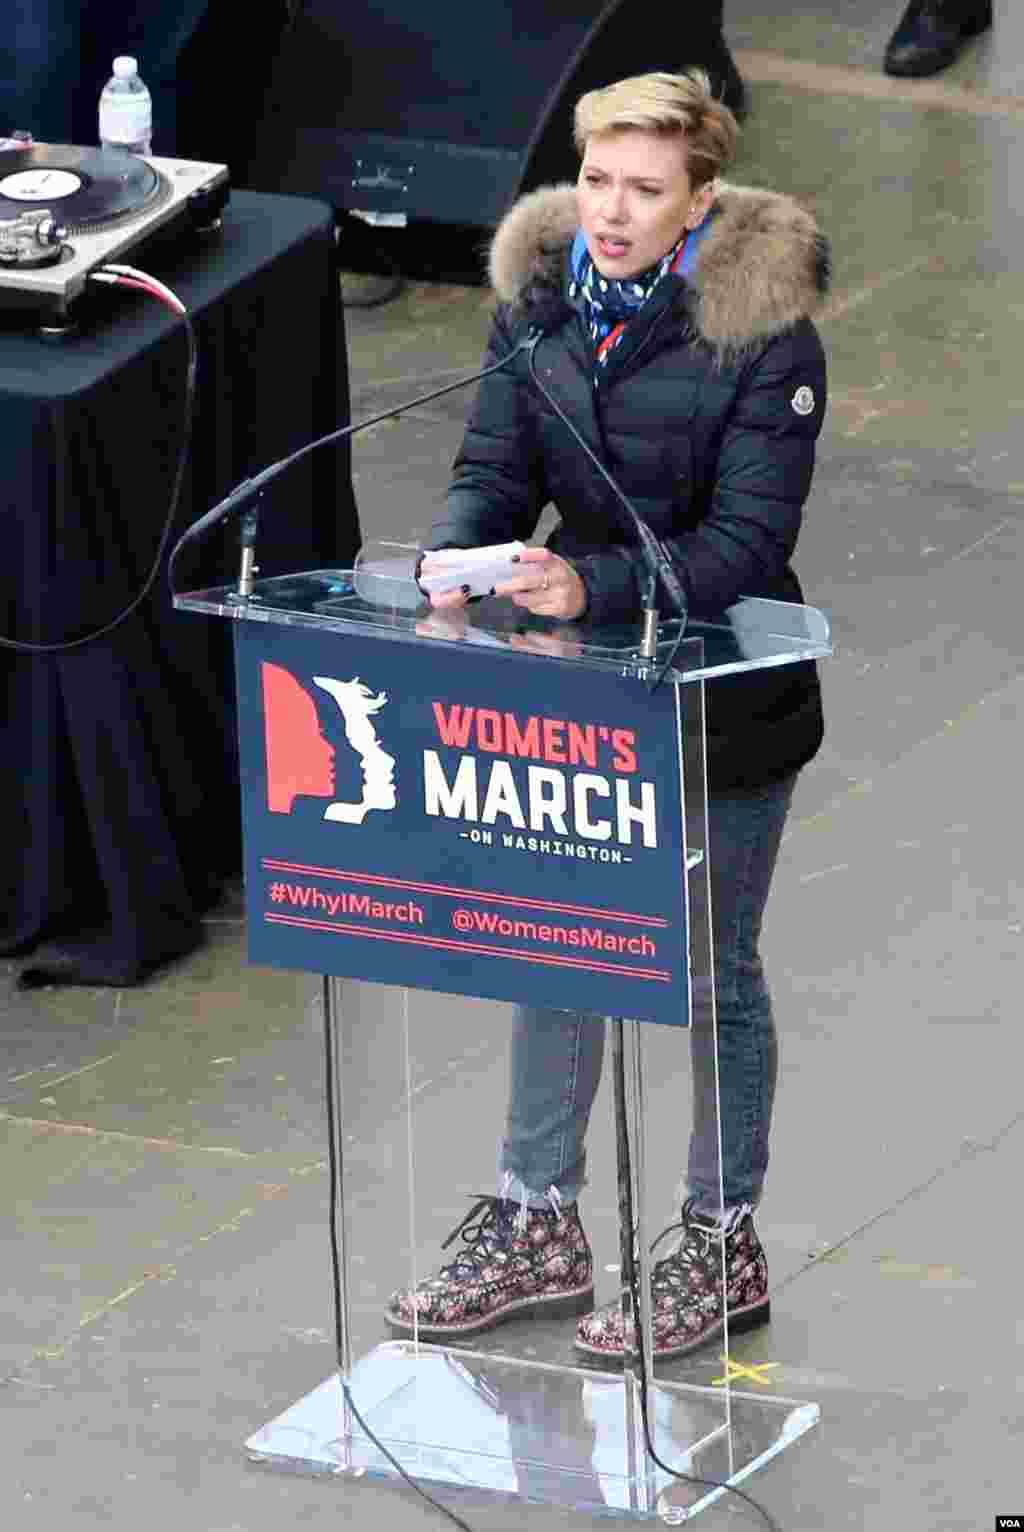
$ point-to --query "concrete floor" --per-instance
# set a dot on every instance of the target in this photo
(164, 1195)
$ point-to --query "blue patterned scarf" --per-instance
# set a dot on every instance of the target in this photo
(609, 302)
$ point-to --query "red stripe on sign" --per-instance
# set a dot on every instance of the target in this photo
(661, 976)
(275, 864)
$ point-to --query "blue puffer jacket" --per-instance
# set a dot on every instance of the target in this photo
(706, 412)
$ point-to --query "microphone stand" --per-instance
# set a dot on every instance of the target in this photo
(634, 1294)
(657, 561)
(247, 569)
(258, 481)
(658, 565)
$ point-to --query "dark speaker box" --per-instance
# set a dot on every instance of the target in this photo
(446, 113)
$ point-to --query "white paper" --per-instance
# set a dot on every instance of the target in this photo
(479, 568)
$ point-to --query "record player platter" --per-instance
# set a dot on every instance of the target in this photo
(84, 189)
(64, 211)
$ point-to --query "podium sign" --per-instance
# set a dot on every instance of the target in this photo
(492, 806)
(486, 828)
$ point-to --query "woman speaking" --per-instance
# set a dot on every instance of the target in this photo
(676, 312)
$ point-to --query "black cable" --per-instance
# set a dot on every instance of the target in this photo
(25, 646)
(630, 1273)
(332, 1167)
(631, 1276)
(333, 1179)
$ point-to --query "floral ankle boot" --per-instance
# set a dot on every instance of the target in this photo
(515, 1261)
(687, 1303)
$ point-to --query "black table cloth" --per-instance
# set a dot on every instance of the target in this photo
(119, 817)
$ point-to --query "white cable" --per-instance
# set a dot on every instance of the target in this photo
(143, 276)
(133, 284)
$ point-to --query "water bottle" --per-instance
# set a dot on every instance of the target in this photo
(126, 110)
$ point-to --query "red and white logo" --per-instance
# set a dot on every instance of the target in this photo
(305, 730)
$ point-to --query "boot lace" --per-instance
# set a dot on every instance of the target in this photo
(671, 1273)
(487, 1231)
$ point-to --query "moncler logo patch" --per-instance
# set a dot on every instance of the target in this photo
(803, 400)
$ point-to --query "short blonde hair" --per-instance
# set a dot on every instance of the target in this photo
(668, 105)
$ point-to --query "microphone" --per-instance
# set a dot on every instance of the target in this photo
(657, 561)
(658, 565)
(257, 482)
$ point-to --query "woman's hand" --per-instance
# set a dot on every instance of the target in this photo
(548, 586)
(442, 601)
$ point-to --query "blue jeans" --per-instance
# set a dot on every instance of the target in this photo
(555, 1056)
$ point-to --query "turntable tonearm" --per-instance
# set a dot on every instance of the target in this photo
(65, 211)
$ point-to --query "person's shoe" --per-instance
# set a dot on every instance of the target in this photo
(687, 1302)
(515, 1262)
(932, 32)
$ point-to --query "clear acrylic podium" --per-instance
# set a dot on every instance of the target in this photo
(513, 1411)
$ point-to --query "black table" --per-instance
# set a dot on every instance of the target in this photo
(119, 815)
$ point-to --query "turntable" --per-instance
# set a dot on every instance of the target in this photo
(64, 211)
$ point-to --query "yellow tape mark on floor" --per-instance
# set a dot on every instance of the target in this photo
(53, 1353)
(85, 1069)
(860, 789)
(164, 1273)
(230, 1226)
(112, 1303)
(751, 1371)
(309, 1170)
(918, 1271)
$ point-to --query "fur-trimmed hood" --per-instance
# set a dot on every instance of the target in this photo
(762, 266)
